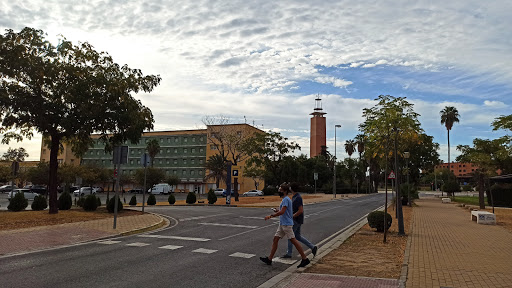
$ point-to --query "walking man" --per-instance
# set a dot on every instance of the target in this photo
(298, 220)
(285, 228)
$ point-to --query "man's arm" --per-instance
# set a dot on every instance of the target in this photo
(299, 211)
(279, 213)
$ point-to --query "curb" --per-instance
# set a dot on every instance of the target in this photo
(407, 254)
(285, 277)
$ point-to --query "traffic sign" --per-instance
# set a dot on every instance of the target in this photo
(392, 175)
(315, 176)
(145, 160)
(235, 173)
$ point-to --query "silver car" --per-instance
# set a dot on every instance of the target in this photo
(84, 191)
(29, 195)
(253, 193)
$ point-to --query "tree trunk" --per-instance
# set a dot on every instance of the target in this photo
(448, 149)
(52, 180)
(481, 200)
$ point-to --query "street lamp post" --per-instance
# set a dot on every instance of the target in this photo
(406, 156)
(334, 176)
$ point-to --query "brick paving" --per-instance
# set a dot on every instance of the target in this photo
(449, 250)
(44, 237)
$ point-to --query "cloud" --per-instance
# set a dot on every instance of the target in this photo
(495, 104)
(334, 81)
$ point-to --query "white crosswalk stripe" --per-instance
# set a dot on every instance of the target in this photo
(175, 237)
(229, 225)
(242, 255)
(284, 261)
(108, 242)
(138, 244)
(171, 247)
(205, 251)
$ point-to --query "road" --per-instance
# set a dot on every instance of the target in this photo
(205, 246)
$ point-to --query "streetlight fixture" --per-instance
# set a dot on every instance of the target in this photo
(406, 156)
(334, 181)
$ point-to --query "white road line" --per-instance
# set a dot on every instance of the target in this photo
(205, 251)
(108, 242)
(171, 247)
(137, 244)
(202, 217)
(247, 231)
(252, 217)
(279, 260)
(176, 238)
(242, 255)
(228, 225)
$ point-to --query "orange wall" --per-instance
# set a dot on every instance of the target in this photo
(459, 169)
(318, 136)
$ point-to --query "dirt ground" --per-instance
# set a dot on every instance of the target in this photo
(503, 216)
(26, 219)
(365, 254)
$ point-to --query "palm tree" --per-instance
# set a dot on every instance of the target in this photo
(350, 146)
(216, 167)
(360, 142)
(153, 148)
(449, 115)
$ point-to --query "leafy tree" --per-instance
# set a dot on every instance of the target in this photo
(67, 92)
(153, 176)
(449, 116)
(17, 154)
(173, 180)
(39, 174)
(216, 168)
(350, 147)
(153, 148)
(5, 174)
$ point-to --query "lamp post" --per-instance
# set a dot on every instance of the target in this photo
(334, 176)
(406, 156)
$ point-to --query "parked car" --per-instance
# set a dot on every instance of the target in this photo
(8, 188)
(135, 191)
(98, 189)
(84, 191)
(225, 193)
(39, 189)
(162, 188)
(253, 193)
(219, 192)
(29, 195)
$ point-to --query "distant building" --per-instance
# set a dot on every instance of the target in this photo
(183, 153)
(318, 134)
(459, 169)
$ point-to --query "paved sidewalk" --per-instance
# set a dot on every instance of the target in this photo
(45, 237)
(310, 280)
(449, 250)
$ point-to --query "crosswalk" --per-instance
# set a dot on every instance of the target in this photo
(138, 244)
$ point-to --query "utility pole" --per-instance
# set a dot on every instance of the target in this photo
(401, 230)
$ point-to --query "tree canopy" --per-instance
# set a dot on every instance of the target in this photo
(17, 154)
(67, 92)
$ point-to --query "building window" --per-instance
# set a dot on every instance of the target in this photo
(175, 161)
(131, 162)
(174, 172)
(193, 150)
(200, 161)
(161, 140)
(184, 172)
(167, 162)
(200, 172)
(200, 138)
(185, 139)
(168, 140)
(160, 161)
(167, 172)
(201, 150)
(184, 150)
(140, 151)
(97, 152)
(168, 150)
(192, 161)
(175, 150)
(138, 162)
(161, 151)
(176, 139)
(192, 173)
(193, 139)
(185, 161)
(131, 152)
(213, 147)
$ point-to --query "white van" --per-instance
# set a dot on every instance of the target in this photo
(162, 188)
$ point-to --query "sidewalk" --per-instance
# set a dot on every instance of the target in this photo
(450, 250)
(46, 237)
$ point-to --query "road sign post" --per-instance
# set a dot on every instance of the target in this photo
(235, 183)
(120, 157)
(145, 160)
(315, 176)
(228, 182)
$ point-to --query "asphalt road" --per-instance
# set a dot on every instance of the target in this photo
(205, 246)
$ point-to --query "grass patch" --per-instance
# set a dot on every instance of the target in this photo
(468, 200)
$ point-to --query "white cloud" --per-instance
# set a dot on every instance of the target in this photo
(334, 81)
(495, 104)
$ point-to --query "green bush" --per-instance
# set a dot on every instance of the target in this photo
(151, 200)
(212, 198)
(269, 191)
(80, 202)
(90, 203)
(467, 188)
(411, 189)
(171, 199)
(501, 195)
(65, 201)
(133, 201)
(191, 198)
(376, 220)
(451, 186)
(39, 203)
(111, 205)
(98, 201)
(18, 202)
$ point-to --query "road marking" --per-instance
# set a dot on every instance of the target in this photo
(279, 260)
(108, 242)
(202, 217)
(229, 225)
(242, 255)
(205, 251)
(247, 231)
(175, 238)
(171, 247)
(137, 244)
(252, 217)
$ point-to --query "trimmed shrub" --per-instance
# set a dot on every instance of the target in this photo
(191, 198)
(18, 202)
(171, 199)
(90, 203)
(111, 205)
(151, 200)
(376, 220)
(212, 198)
(411, 189)
(65, 201)
(80, 202)
(451, 187)
(98, 201)
(133, 201)
(39, 203)
(269, 191)
(467, 188)
(501, 195)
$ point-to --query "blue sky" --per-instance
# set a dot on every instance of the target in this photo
(267, 60)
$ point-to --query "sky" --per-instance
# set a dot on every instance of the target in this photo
(264, 62)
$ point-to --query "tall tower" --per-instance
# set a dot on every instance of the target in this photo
(317, 138)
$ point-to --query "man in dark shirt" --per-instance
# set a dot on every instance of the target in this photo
(298, 220)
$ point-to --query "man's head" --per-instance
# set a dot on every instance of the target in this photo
(284, 189)
(294, 187)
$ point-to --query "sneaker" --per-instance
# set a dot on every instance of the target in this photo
(266, 260)
(303, 263)
(314, 251)
(286, 256)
